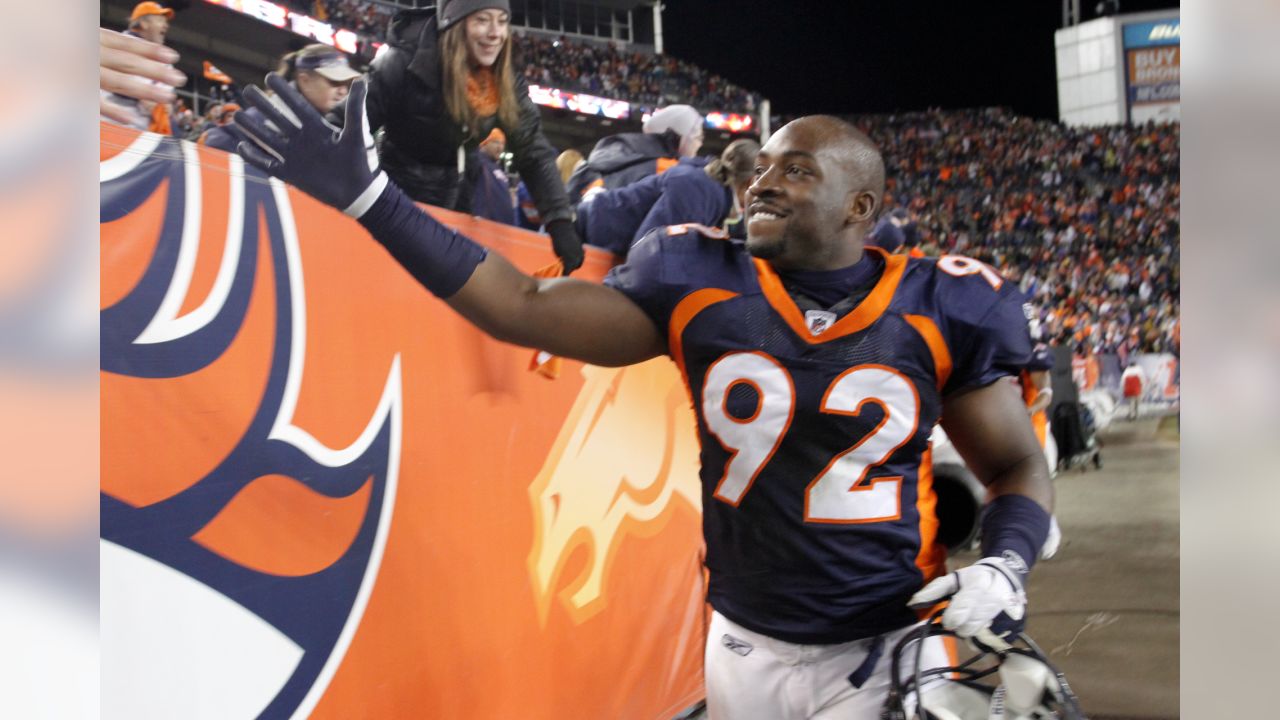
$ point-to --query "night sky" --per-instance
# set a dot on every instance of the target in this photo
(873, 56)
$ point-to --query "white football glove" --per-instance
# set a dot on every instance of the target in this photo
(1054, 541)
(987, 595)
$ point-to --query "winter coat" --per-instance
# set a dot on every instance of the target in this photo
(424, 150)
(619, 160)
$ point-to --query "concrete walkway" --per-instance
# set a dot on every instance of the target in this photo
(1106, 607)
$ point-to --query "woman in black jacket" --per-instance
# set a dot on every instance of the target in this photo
(442, 83)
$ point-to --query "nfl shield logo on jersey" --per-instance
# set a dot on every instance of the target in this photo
(819, 320)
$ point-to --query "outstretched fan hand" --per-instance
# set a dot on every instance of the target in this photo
(293, 142)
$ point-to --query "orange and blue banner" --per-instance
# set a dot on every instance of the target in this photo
(323, 494)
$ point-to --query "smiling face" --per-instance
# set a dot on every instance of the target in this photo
(816, 189)
(487, 32)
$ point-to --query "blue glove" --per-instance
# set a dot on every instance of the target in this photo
(295, 143)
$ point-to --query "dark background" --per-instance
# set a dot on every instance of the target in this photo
(873, 56)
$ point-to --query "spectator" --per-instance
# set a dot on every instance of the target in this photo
(493, 198)
(890, 232)
(702, 191)
(133, 68)
(618, 160)
(527, 215)
(598, 68)
(443, 84)
(567, 162)
(1133, 383)
(148, 21)
(321, 73)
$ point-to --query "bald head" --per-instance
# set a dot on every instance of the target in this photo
(856, 153)
(817, 190)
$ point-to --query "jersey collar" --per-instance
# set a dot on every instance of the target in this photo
(861, 317)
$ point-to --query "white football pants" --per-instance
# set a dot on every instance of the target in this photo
(755, 677)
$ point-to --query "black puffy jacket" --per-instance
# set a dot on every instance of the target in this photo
(424, 150)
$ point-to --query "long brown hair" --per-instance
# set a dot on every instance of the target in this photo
(455, 68)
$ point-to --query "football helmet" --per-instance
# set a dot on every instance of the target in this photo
(1023, 684)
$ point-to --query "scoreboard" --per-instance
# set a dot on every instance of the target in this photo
(1120, 69)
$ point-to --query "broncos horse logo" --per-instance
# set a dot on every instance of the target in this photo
(238, 549)
(626, 451)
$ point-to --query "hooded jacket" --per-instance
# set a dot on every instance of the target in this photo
(619, 160)
(428, 154)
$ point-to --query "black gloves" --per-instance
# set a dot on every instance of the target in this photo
(566, 243)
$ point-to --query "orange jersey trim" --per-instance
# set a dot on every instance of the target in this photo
(932, 559)
(932, 336)
(686, 310)
(866, 313)
(665, 163)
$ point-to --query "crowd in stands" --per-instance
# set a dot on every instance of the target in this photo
(364, 18)
(638, 77)
(1086, 220)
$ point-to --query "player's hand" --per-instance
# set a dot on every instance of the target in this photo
(566, 243)
(987, 595)
(294, 143)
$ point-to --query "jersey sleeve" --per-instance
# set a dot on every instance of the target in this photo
(645, 279)
(1041, 358)
(988, 331)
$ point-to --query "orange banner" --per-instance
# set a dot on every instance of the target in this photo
(325, 494)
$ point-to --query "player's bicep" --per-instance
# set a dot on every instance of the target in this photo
(990, 429)
(564, 316)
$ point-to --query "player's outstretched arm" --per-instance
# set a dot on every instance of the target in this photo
(990, 428)
(567, 317)
(563, 316)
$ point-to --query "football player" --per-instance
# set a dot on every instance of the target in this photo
(817, 369)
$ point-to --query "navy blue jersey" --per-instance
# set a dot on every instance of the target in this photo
(1041, 358)
(614, 219)
(818, 507)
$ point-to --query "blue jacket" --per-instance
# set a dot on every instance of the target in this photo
(615, 219)
(491, 198)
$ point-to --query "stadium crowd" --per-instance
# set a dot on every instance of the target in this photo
(364, 18)
(638, 77)
(1086, 220)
